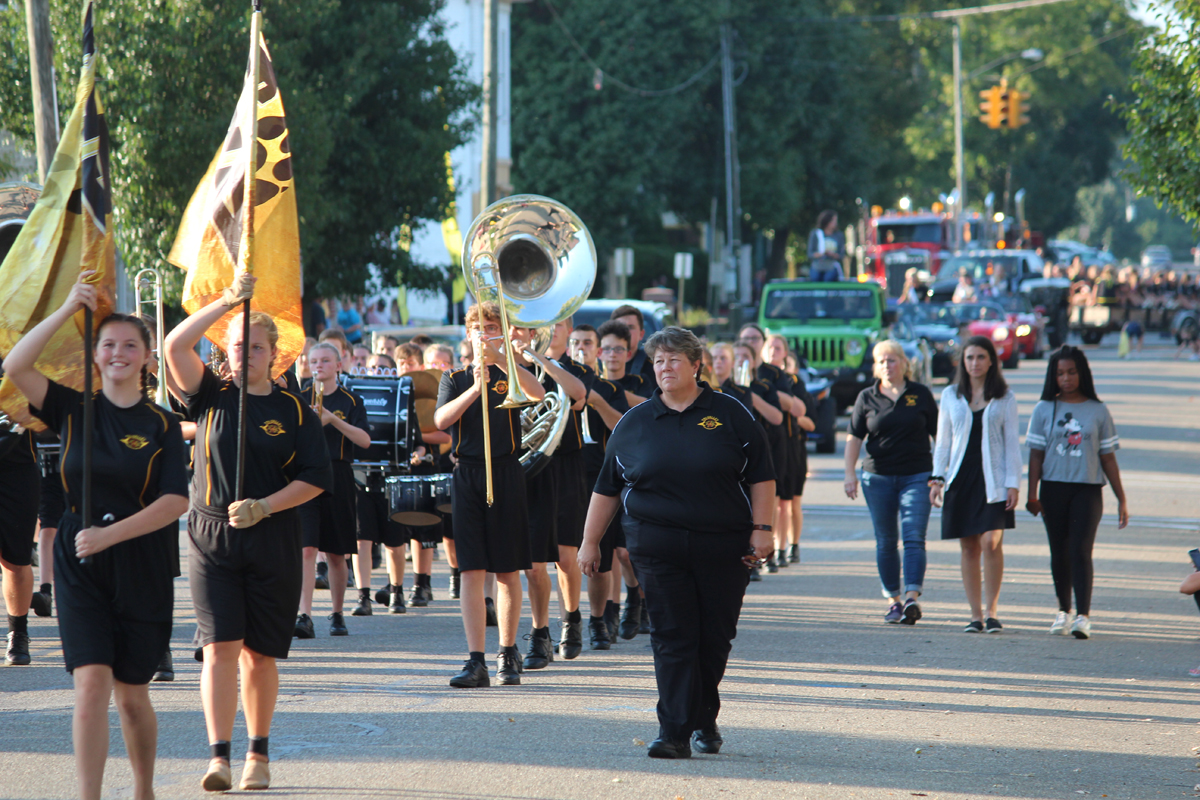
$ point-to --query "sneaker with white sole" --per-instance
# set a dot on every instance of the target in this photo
(1059, 626)
(1081, 628)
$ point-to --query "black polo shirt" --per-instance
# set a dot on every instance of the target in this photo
(810, 407)
(637, 384)
(896, 434)
(691, 469)
(572, 438)
(467, 434)
(345, 405)
(593, 454)
(743, 394)
(641, 365)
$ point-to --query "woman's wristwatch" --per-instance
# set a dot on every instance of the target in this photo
(757, 527)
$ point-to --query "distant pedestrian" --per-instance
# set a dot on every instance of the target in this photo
(1072, 449)
(977, 461)
(824, 249)
(896, 417)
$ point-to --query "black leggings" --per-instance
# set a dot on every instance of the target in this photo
(1071, 512)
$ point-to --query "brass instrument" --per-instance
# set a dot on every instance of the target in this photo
(535, 258)
(149, 280)
(585, 427)
(318, 403)
(743, 374)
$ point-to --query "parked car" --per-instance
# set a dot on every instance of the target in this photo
(1157, 256)
(1018, 265)
(1029, 325)
(985, 319)
(1050, 298)
(942, 339)
(598, 311)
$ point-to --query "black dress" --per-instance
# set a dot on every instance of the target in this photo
(965, 509)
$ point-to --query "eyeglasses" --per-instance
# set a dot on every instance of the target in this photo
(616, 351)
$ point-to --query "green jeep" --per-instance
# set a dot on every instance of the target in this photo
(832, 325)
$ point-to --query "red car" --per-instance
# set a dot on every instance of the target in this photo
(1028, 323)
(991, 320)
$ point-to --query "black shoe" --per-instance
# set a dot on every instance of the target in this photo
(912, 613)
(612, 617)
(455, 585)
(992, 625)
(396, 602)
(645, 628)
(490, 610)
(508, 666)
(322, 581)
(474, 675)
(772, 567)
(631, 617)
(664, 748)
(707, 741)
(571, 644)
(337, 625)
(754, 576)
(541, 651)
(304, 628)
(41, 604)
(363, 609)
(974, 626)
(382, 596)
(794, 553)
(599, 631)
(166, 668)
(18, 649)
(420, 597)
(781, 558)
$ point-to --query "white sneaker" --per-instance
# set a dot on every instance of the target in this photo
(1081, 629)
(1059, 625)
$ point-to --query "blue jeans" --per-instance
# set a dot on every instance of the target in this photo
(906, 497)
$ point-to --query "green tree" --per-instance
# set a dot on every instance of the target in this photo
(371, 117)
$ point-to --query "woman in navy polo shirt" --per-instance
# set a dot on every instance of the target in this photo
(694, 526)
(896, 418)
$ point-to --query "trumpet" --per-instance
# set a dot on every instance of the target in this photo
(148, 285)
(743, 375)
(318, 403)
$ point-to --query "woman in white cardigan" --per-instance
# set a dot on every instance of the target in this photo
(977, 461)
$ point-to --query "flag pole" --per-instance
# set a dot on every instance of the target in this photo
(89, 406)
(246, 250)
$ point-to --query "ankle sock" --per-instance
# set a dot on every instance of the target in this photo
(631, 592)
(574, 616)
(478, 657)
(258, 745)
(219, 750)
(454, 572)
(18, 624)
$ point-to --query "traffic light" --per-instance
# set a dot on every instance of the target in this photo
(994, 106)
(1017, 106)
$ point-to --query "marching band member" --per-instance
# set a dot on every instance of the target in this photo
(244, 559)
(329, 520)
(114, 611)
(636, 361)
(20, 482)
(775, 353)
(487, 538)
(51, 505)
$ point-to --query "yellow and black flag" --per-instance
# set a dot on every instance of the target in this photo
(212, 238)
(69, 230)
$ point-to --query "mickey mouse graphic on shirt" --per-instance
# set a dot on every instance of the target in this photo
(1073, 433)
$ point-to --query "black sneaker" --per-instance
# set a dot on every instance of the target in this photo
(612, 617)
(420, 597)
(794, 553)
(18, 649)
(455, 585)
(490, 610)
(781, 558)
(645, 628)
(42, 604)
(337, 625)
(912, 613)
(322, 581)
(304, 628)
(474, 675)
(541, 651)
(166, 668)
(508, 666)
(664, 748)
(363, 609)
(631, 617)
(382, 596)
(599, 631)
(974, 626)
(396, 601)
(772, 567)
(571, 643)
(707, 740)
(992, 625)
(755, 577)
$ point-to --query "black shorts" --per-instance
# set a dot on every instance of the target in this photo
(797, 464)
(19, 489)
(493, 538)
(780, 459)
(574, 494)
(375, 520)
(116, 609)
(608, 543)
(245, 583)
(52, 504)
(542, 493)
(328, 521)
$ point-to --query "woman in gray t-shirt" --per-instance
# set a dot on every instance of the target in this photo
(1072, 448)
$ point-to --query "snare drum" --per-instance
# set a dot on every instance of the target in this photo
(411, 500)
(442, 493)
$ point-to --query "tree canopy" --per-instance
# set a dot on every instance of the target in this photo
(373, 92)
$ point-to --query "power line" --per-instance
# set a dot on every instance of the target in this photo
(950, 13)
(712, 62)
(1046, 62)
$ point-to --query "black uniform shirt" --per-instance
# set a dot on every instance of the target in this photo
(345, 405)
(743, 396)
(284, 443)
(896, 434)
(137, 452)
(467, 434)
(572, 438)
(810, 407)
(637, 384)
(781, 382)
(642, 366)
(593, 454)
(17, 449)
(689, 469)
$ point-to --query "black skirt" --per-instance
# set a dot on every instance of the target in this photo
(965, 509)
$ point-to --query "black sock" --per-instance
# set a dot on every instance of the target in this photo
(574, 616)
(364, 594)
(630, 592)
(593, 619)
(219, 750)
(612, 607)
(454, 572)
(423, 580)
(478, 657)
(541, 633)
(18, 624)
(46, 589)
(258, 745)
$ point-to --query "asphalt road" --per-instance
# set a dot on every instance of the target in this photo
(822, 700)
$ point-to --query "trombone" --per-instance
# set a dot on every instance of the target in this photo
(149, 281)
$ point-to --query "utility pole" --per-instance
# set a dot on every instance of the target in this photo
(960, 175)
(41, 70)
(733, 193)
(491, 34)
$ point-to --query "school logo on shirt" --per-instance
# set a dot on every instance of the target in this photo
(910, 400)
(339, 415)
(709, 423)
(272, 427)
(135, 442)
(501, 387)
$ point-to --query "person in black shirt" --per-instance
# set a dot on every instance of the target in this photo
(694, 525)
(896, 418)
(244, 556)
(775, 353)
(114, 611)
(487, 538)
(329, 520)
(20, 483)
(637, 363)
